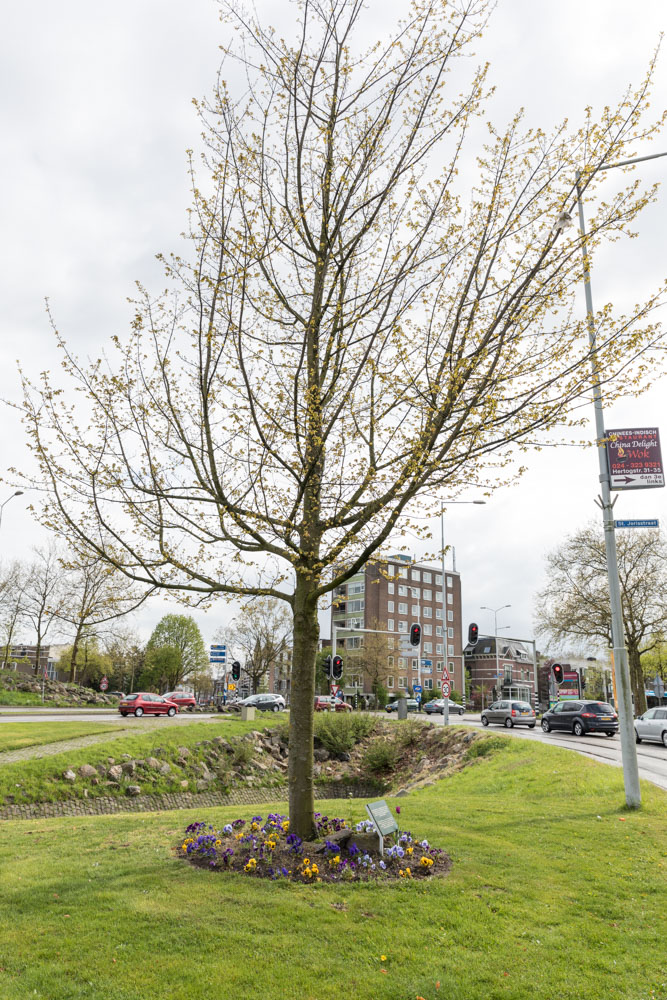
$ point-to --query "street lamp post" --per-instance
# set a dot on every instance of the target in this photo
(445, 709)
(18, 493)
(621, 671)
(494, 612)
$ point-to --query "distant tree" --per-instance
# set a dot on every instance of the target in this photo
(262, 631)
(42, 596)
(92, 662)
(574, 604)
(94, 595)
(654, 660)
(127, 654)
(12, 586)
(162, 670)
(179, 633)
(372, 659)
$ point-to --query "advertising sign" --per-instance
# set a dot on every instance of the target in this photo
(634, 458)
(568, 689)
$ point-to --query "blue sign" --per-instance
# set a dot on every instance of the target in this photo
(650, 523)
(427, 663)
(418, 697)
(416, 688)
(223, 647)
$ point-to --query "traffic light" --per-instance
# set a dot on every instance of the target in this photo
(327, 668)
(473, 634)
(337, 668)
(415, 635)
(236, 670)
(557, 672)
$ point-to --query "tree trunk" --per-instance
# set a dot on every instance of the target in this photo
(75, 652)
(637, 680)
(300, 772)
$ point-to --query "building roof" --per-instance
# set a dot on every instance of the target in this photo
(486, 646)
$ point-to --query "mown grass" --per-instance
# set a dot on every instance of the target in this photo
(17, 735)
(555, 892)
(40, 780)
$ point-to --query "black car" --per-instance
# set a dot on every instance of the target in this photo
(581, 717)
(265, 702)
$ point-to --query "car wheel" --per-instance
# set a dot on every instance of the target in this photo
(275, 708)
(531, 725)
(508, 723)
(664, 738)
(637, 737)
(138, 712)
(124, 714)
(578, 729)
(546, 728)
(485, 721)
(171, 712)
(611, 734)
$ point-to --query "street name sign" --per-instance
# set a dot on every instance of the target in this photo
(651, 522)
(634, 458)
(382, 820)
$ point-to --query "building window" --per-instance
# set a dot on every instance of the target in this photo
(450, 582)
(427, 577)
(438, 580)
(355, 588)
(428, 683)
(354, 606)
(402, 627)
(402, 682)
(353, 642)
(427, 612)
(451, 668)
(391, 570)
(427, 595)
(450, 615)
(450, 650)
(390, 606)
(390, 681)
(402, 591)
(390, 661)
(415, 575)
(438, 613)
(428, 647)
(390, 624)
(428, 630)
(439, 648)
(401, 663)
(450, 598)
(450, 633)
(402, 608)
(415, 610)
(402, 572)
(438, 666)
(438, 629)
(414, 664)
(390, 588)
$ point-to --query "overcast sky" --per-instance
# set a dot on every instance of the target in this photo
(96, 116)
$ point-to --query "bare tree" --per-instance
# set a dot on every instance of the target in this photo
(372, 659)
(95, 595)
(262, 630)
(575, 602)
(12, 586)
(363, 320)
(43, 596)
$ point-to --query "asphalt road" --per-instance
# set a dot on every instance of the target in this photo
(106, 715)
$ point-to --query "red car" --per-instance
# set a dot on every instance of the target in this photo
(324, 703)
(184, 699)
(143, 703)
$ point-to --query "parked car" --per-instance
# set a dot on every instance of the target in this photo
(324, 703)
(509, 713)
(265, 702)
(143, 703)
(184, 699)
(581, 717)
(652, 726)
(438, 705)
(413, 705)
(115, 694)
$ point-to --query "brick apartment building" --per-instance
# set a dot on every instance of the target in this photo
(509, 674)
(22, 659)
(396, 593)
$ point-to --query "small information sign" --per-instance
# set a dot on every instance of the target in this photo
(382, 819)
(104, 684)
(416, 688)
(634, 459)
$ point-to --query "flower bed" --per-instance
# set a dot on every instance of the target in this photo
(341, 853)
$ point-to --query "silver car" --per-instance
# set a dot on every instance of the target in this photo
(509, 713)
(652, 725)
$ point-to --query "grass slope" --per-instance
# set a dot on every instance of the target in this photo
(17, 735)
(555, 892)
(40, 780)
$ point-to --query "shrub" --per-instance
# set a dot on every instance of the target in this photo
(485, 746)
(243, 752)
(380, 756)
(338, 733)
(409, 732)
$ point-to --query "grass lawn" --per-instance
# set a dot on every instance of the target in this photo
(17, 735)
(39, 780)
(555, 892)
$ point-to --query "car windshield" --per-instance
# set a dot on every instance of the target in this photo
(131, 697)
(600, 708)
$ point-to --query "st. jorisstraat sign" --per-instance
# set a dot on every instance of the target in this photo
(634, 459)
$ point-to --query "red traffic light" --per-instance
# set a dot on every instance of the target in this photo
(415, 635)
(337, 668)
(557, 672)
(473, 634)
